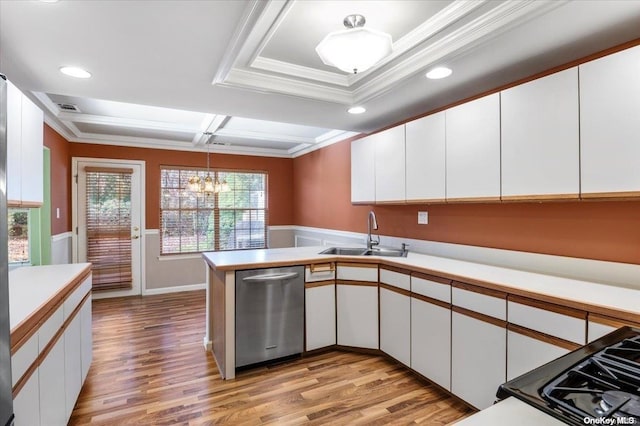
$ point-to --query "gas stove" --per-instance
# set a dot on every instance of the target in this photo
(597, 384)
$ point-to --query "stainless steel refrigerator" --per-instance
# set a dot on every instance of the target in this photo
(6, 396)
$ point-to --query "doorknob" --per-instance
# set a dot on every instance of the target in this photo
(135, 237)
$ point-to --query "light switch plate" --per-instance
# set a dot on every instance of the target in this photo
(423, 218)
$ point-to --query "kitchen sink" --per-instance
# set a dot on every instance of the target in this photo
(345, 251)
(382, 251)
(376, 251)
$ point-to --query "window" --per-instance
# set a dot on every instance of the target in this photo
(193, 222)
(18, 220)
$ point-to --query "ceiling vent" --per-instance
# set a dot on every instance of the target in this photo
(68, 107)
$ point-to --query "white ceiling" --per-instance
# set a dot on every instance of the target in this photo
(166, 71)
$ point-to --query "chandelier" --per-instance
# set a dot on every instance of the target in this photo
(208, 185)
(356, 48)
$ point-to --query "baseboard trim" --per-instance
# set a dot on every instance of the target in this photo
(174, 289)
(208, 344)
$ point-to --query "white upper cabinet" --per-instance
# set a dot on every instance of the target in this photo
(25, 133)
(610, 124)
(14, 140)
(425, 158)
(473, 150)
(390, 165)
(540, 138)
(363, 177)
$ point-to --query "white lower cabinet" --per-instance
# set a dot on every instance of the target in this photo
(52, 385)
(26, 405)
(478, 359)
(72, 363)
(524, 353)
(86, 338)
(320, 316)
(357, 312)
(431, 341)
(395, 325)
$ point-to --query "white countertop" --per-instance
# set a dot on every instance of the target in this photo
(31, 287)
(580, 292)
(509, 412)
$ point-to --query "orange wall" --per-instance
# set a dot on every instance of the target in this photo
(279, 170)
(60, 180)
(607, 230)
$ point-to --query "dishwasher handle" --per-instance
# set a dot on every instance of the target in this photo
(281, 276)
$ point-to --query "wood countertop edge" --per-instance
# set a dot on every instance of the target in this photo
(27, 327)
(576, 304)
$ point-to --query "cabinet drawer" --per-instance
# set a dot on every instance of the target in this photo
(526, 352)
(546, 318)
(428, 286)
(320, 272)
(76, 297)
(23, 358)
(355, 272)
(50, 328)
(489, 302)
(599, 326)
(395, 279)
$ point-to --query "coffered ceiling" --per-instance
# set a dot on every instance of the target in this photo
(168, 74)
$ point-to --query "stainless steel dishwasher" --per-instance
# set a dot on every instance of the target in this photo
(269, 314)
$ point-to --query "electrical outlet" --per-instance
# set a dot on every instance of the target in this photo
(423, 218)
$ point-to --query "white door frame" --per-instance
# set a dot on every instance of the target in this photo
(74, 218)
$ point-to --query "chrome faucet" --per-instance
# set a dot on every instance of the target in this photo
(372, 223)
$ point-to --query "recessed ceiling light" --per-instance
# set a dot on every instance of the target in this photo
(439, 72)
(356, 110)
(75, 72)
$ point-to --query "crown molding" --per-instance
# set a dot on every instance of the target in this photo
(281, 67)
(248, 134)
(257, 81)
(257, 73)
(125, 122)
(148, 143)
(252, 13)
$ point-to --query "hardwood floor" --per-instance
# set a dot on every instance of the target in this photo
(149, 368)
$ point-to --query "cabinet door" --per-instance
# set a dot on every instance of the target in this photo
(320, 316)
(478, 359)
(473, 150)
(425, 158)
(32, 143)
(14, 140)
(86, 338)
(431, 341)
(52, 386)
(357, 312)
(609, 124)
(525, 353)
(363, 177)
(72, 363)
(390, 165)
(395, 325)
(26, 405)
(540, 145)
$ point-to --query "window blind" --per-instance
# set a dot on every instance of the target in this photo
(109, 227)
(195, 222)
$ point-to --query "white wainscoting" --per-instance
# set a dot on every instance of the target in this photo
(611, 273)
(61, 245)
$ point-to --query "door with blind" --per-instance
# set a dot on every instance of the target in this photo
(108, 221)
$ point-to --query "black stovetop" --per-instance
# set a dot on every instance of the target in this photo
(599, 381)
